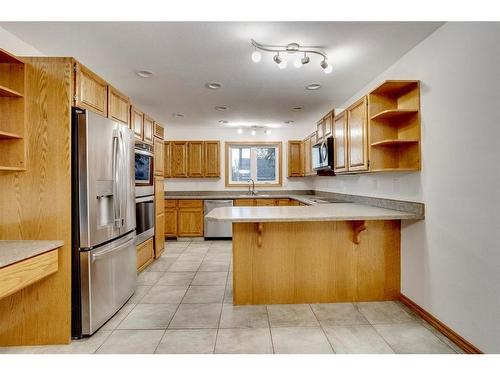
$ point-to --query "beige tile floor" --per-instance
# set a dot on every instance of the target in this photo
(183, 304)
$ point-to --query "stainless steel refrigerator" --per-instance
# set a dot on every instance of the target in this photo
(104, 274)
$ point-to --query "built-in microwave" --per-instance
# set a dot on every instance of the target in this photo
(143, 164)
(322, 155)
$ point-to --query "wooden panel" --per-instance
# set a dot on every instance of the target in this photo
(137, 122)
(295, 159)
(19, 275)
(91, 91)
(41, 313)
(293, 202)
(170, 203)
(179, 159)
(170, 222)
(320, 129)
(159, 195)
(118, 106)
(145, 254)
(190, 222)
(341, 146)
(244, 202)
(265, 202)
(167, 153)
(311, 262)
(147, 135)
(159, 235)
(195, 159)
(190, 203)
(159, 157)
(211, 158)
(357, 124)
(159, 131)
(283, 202)
(328, 127)
(308, 171)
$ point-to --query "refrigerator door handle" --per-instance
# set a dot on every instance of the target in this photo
(123, 182)
(116, 182)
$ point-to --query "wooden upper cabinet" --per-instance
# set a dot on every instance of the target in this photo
(118, 106)
(328, 125)
(159, 157)
(167, 157)
(178, 163)
(136, 122)
(211, 158)
(357, 123)
(308, 171)
(159, 131)
(195, 159)
(320, 129)
(295, 158)
(91, 91)
(147, 134)
(340, 139)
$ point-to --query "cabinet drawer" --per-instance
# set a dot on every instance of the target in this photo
(170, 203)
(190, 203)
(244, 202)
(283, 202)
(265, 202)
(144, 254)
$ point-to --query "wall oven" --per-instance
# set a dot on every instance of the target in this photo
(143, 164)
(145, 217)
(322, 155)
(144, 191)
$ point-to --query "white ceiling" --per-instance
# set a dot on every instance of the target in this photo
(186, 55)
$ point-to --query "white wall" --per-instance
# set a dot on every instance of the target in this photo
(450, 261)
(11, 43)
(224, 134)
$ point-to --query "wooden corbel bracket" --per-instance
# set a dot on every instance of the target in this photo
(260, 228)
(358, 226)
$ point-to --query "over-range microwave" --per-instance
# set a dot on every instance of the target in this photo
(322, 155)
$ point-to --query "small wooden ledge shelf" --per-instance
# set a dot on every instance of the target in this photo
(394, 142)
(390, 114)
(7, 92)
(7, 135)
(395, 87)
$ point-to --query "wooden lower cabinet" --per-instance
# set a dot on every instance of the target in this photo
(244, 202)
(249, 202)
(145, 254)
(184, 218)
(170, 222)
(159, 234)
(283, 202)
(265, 202)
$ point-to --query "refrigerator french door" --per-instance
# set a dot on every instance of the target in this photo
(104, 256)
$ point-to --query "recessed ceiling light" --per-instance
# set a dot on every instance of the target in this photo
(213, 85)
(144, 73)
(288, 122)
(253, 132)
(222, 121)
(178, 115)
(240, 131)
(313, 86)
(267, 131)
(297, 109)
(222, 108)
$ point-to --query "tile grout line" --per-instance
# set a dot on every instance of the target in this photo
(270, 331)
(222, 307)
(322, 329)
(374, 328)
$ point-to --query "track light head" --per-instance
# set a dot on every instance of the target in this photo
(277, 59)
(305, 59)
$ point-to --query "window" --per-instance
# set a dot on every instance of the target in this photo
(259, 161)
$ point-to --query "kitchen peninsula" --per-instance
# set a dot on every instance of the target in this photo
(340, 252)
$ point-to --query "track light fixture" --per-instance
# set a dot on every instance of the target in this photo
(291, 48)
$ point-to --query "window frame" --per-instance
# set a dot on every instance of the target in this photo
(279, 159)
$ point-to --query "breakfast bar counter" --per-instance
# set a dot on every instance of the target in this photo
(340, 252)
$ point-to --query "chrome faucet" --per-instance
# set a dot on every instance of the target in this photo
(252, 191)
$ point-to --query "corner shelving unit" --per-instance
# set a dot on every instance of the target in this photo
(12, 129)
(394, 126)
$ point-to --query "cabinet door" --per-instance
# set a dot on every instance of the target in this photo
(212, 158)
(195, 159)
(145, 254)
(159, 158)
(265, 202)
(147, 133)
(179, 159)
(357, 126)
(190, 222)
(167, 154)
(295, 159)
(340, 139)
(118, 106)
(244, 202)
(159, 234)
(159, 195)
(328, 127)
(136, 122)
(283, 202)
(320, 129)
(170, 222)
(91, 91)
(307, 157)
(159, 131)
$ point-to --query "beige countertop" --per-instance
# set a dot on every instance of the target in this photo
(306, 199)
(16, 251)
(324, 212)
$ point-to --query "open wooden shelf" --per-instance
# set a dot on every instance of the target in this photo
(395, 87)
(8, 135)
(11, 169)
(394, 170)
(394, 142)
(7, 92)
(393, 113)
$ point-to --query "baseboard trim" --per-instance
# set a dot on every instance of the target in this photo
(458, 340)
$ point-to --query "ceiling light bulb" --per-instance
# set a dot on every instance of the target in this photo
(277, 59)
(282, 64)
(305, 59)
(267, 131)
(297, 63)
(328, 69)
(240, 131)
(323, 64)
(256, 56)
(253, 132)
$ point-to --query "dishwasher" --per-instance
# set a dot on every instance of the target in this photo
(217, 230)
